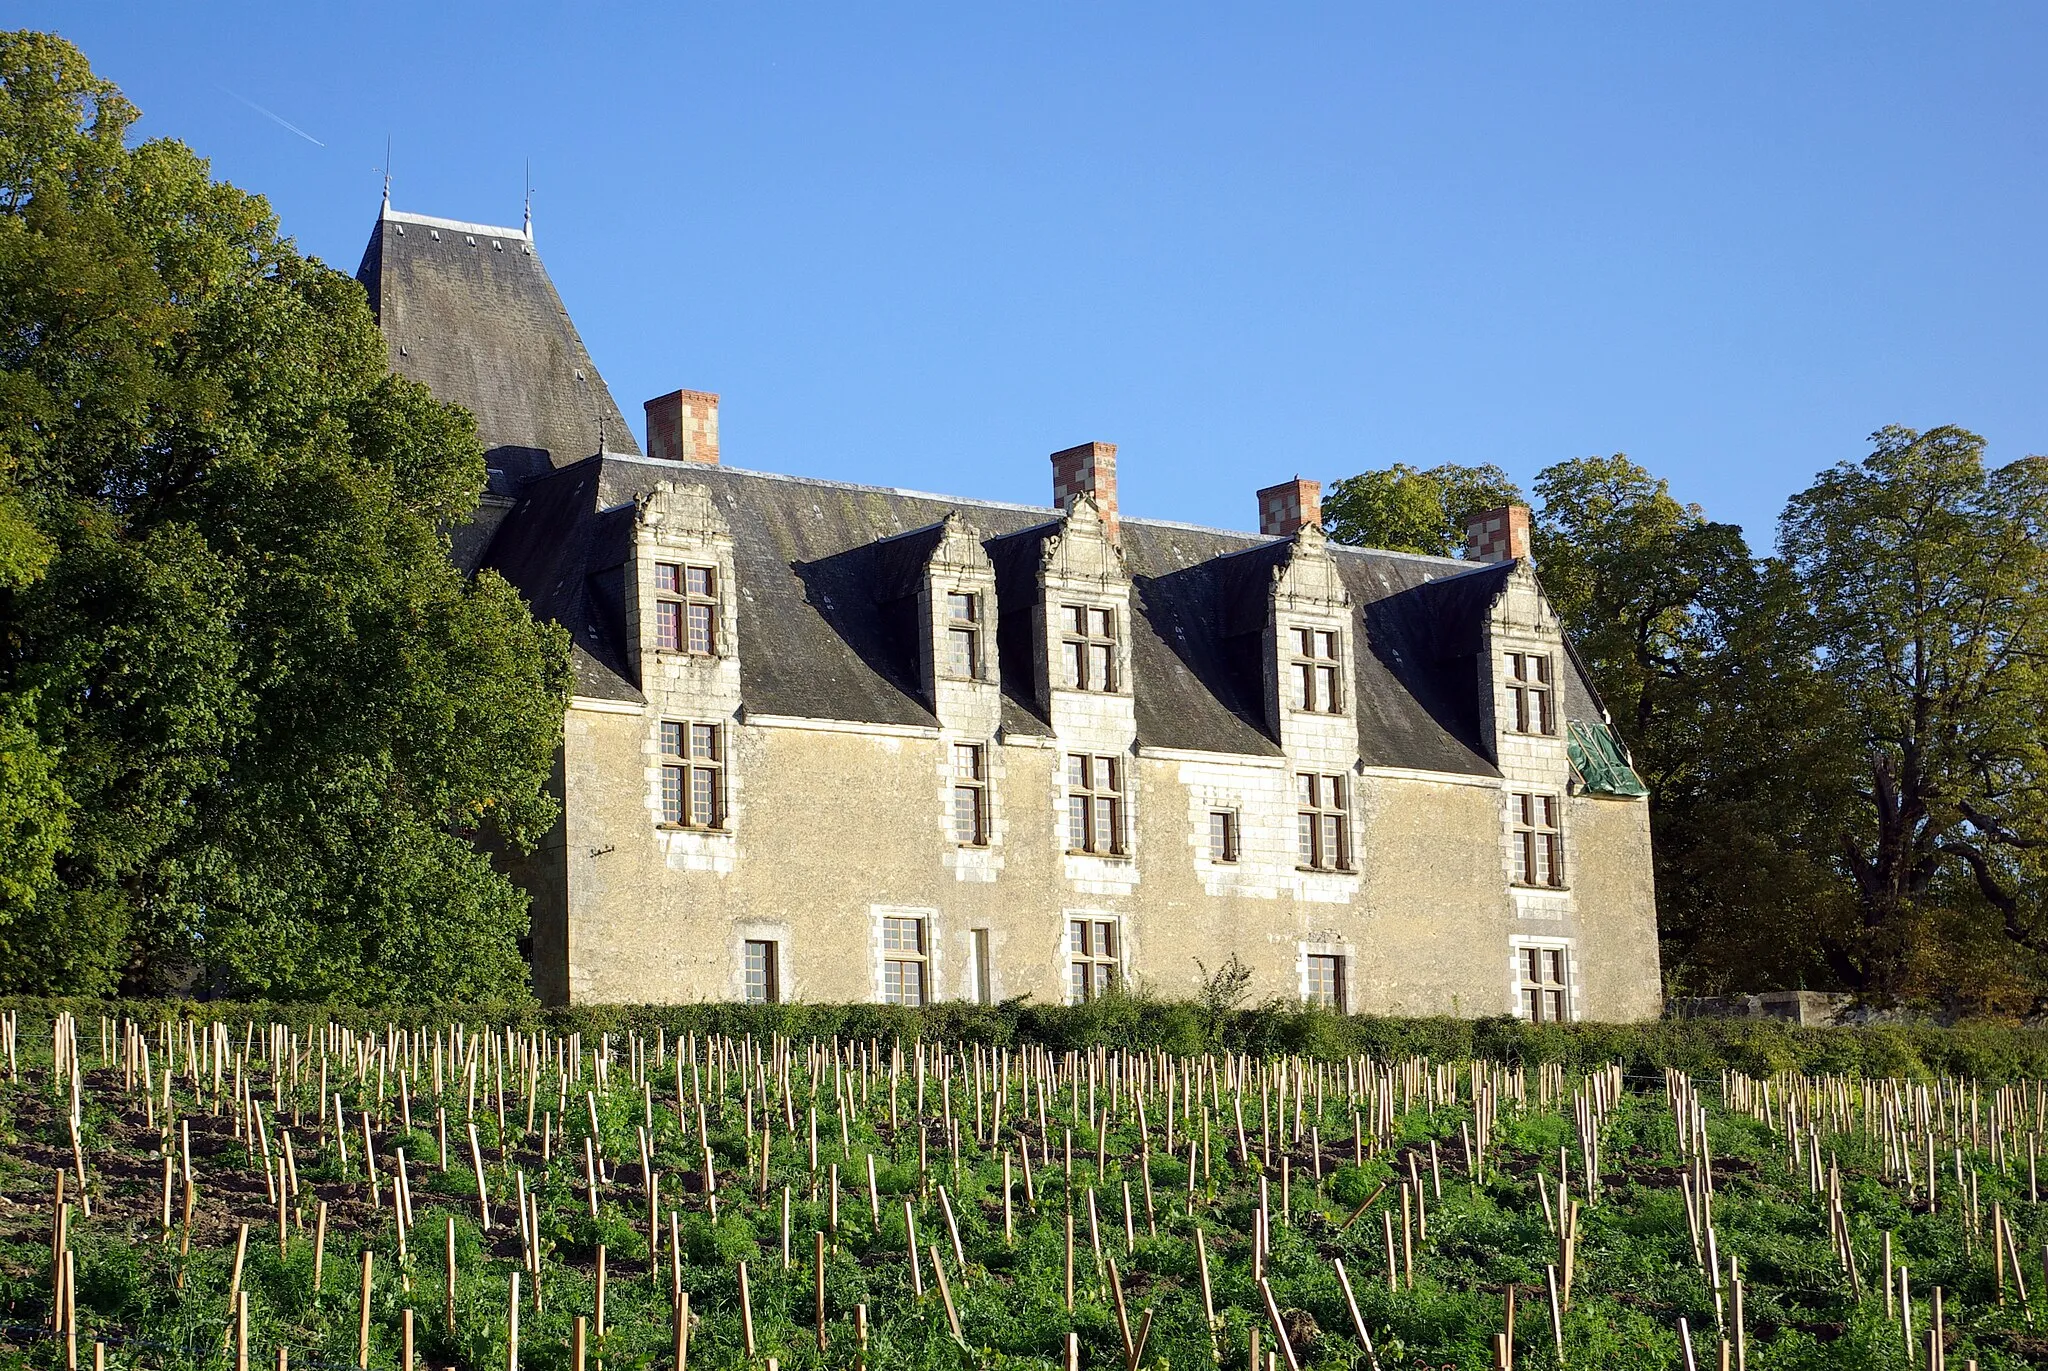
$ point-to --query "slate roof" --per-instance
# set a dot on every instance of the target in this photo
(469, 310)
(822, 569)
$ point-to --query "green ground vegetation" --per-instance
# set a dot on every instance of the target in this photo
(1163, 1161)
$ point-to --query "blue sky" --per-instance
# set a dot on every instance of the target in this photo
(926, 246)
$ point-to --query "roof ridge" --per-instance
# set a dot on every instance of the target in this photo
(459, 225)
(1051, 512)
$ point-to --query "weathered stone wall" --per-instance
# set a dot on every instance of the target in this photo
(838, 825)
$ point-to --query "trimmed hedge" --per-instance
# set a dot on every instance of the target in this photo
(1990, 1052)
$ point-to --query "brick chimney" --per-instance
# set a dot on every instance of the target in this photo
(1498, 535)
(1090, 470)
(682, 426)
(1286, 509)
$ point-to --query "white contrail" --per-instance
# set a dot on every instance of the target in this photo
(276, 118)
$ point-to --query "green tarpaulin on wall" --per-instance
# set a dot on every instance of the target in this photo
(1602, 765)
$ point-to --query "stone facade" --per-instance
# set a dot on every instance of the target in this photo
(830, 826)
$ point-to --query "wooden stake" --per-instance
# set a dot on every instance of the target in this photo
(946, 1295)
(1279, 1329)
(363, 1319)
(1123, 1321)
(1556, 1311)
(319, 1243)
(746, 1310)
(819, 1245)
(1372, 1356)
(511, 1313)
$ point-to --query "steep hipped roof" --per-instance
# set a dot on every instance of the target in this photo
(818, 637)
(469, 310)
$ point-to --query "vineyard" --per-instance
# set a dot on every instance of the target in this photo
(236, 1194)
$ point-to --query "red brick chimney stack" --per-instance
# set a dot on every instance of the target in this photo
(682, 426)
(1286, 509)
(1090, 470)
(1498, 535)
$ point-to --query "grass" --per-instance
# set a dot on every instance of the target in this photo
(161, 1299)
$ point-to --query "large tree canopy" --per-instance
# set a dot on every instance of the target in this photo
(251, 716)
(1927, 572)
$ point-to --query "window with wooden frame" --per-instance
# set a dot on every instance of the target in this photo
(904, 960)
(1318, 678)
(686, 610)
(1546, 985)
(1532, 706)
(1095, 805)
(1323, 825)
(763, 973)
(970, 795)
(963, 635)
(1092, 957)
(1089, 648)
(1539, 842)
(692, 775)
(1325, 980)
(1222, 835)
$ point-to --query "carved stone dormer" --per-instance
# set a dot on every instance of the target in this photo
(681, 607)
(1521, 664)
(1308, 647)
(956, 618)
(1083, 615)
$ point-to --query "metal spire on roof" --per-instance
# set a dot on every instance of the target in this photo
(387, 174)
(529, 199)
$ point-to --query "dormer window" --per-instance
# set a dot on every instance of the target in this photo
(1090, 648)
(685, 618)
(963, 635)
(1530, 694)
(1318, 680)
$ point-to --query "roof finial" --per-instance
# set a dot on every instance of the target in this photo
(529, 199)
(387, 174)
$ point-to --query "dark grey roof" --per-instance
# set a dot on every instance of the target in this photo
(823, 568)
(469, 310)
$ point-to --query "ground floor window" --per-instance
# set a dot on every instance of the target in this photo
(763, 973)
(1326, 981)
(1092, 955)
(984, 969)
(1546, 984)
(904, 960)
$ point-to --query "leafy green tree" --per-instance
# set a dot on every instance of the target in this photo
(1406, 509)
(1702, 654)
(257, 717)
(1927, 572)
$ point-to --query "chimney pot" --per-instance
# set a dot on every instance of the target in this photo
(1090, 470)
(1498, 535)
(1291, 506)
(682, 426)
